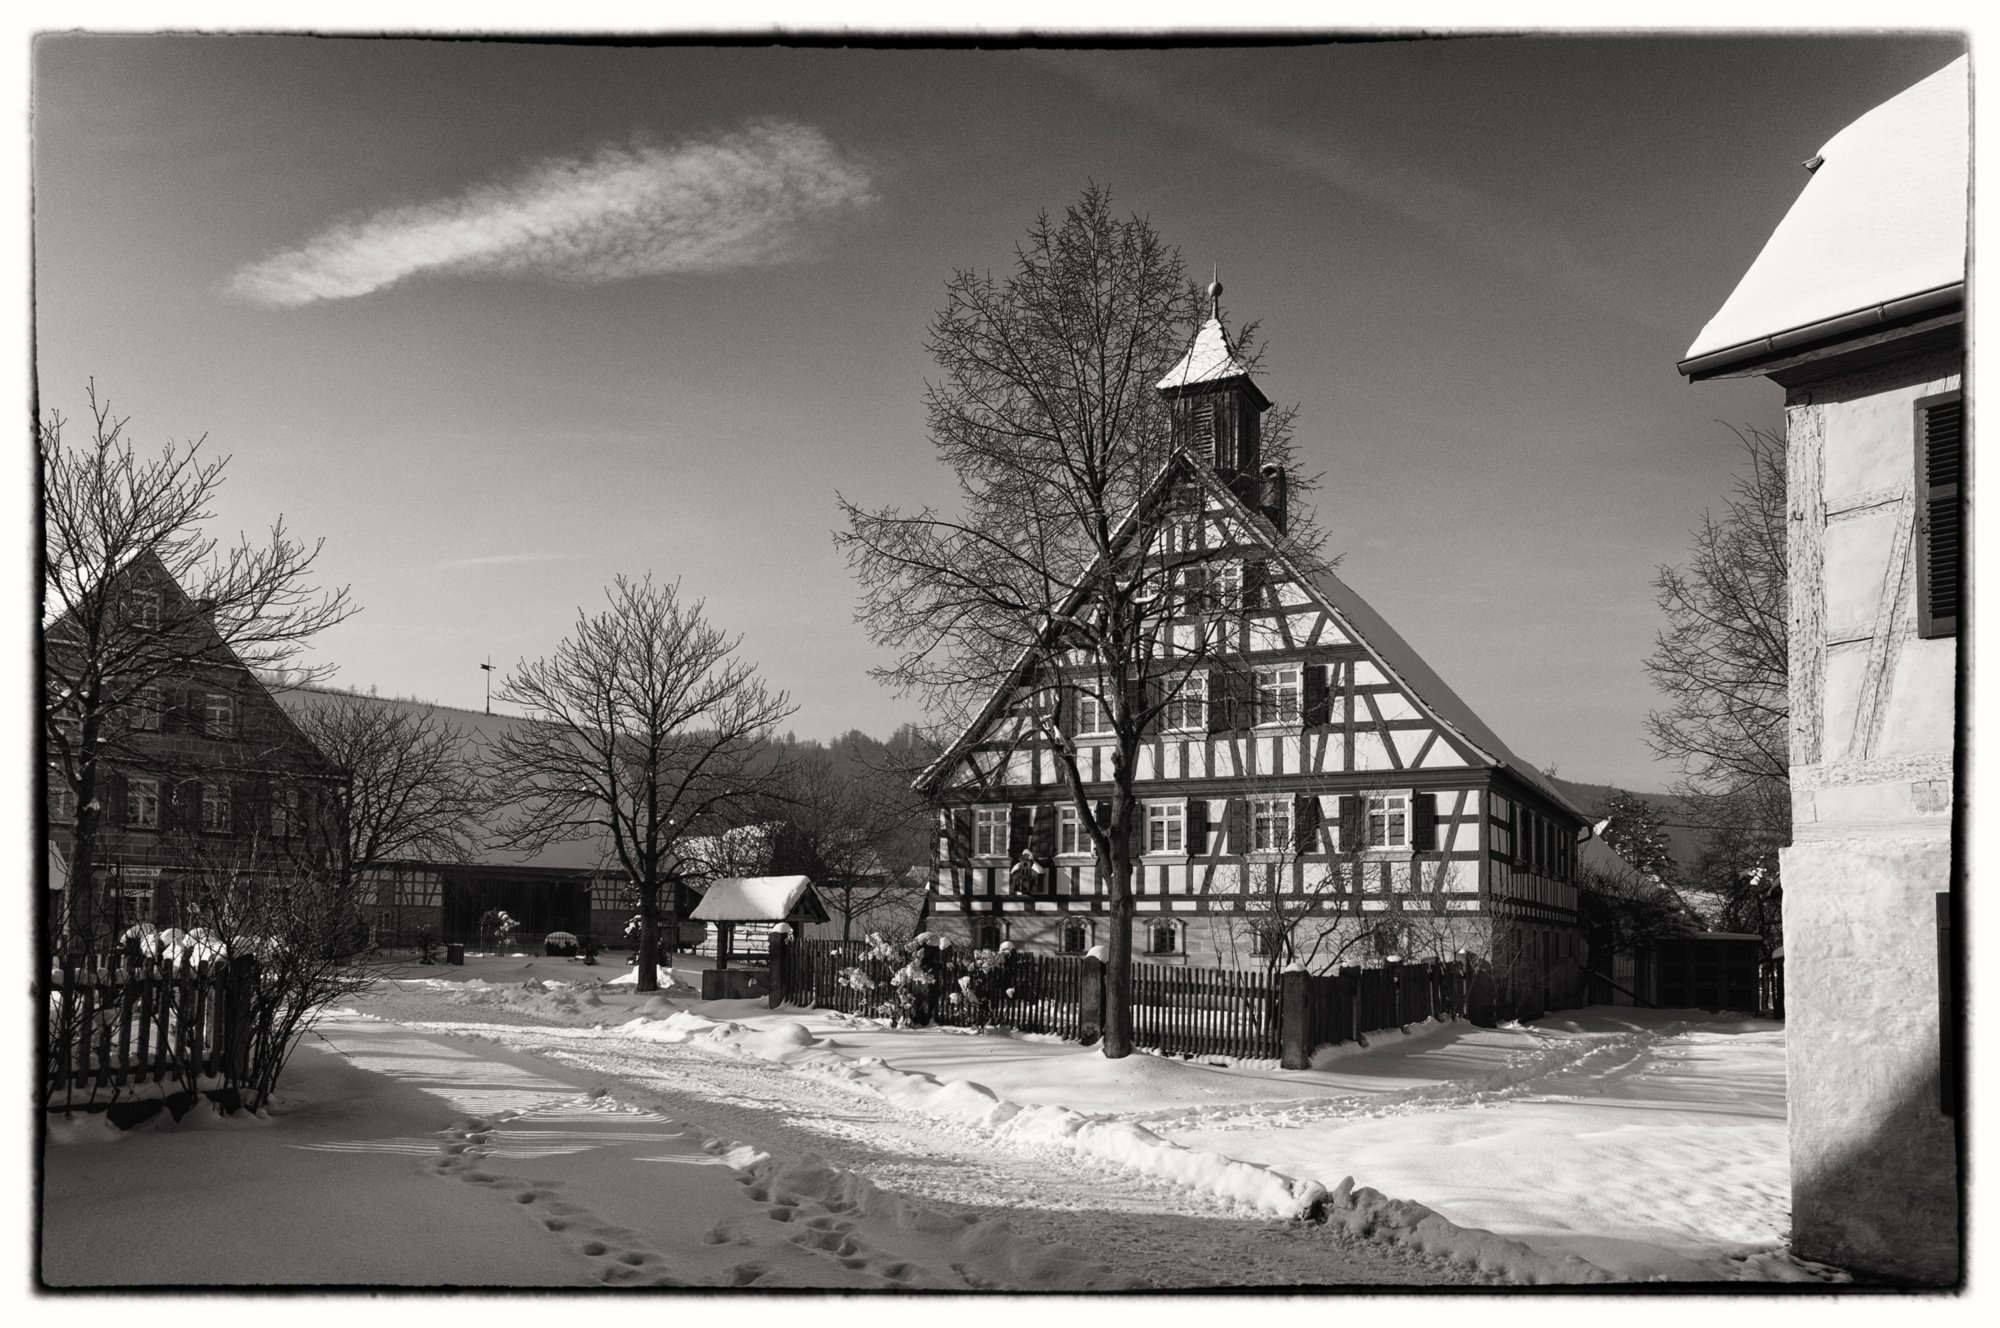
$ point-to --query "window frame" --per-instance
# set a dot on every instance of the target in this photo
(1189, 697)
(1262, 694)
(983, 819)
(148, 709)
(1407, 813)
(1170, 818)
(142, 793)
(1079, 923)
(1099, 717)
(216, 817)
(214, 704)
(1282, 818)
(1069, 829)
(1172, 927)
(62, 800)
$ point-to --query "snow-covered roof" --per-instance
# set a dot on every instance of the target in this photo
(1210, 359)
(756, 899)
(1882, 219)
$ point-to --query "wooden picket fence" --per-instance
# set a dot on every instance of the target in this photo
(1343, 1006)
(1205, 1011)
(116, 1023)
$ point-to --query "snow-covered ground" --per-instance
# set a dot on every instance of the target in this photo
(660, 1139)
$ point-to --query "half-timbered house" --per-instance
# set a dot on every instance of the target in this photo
(1312, 774)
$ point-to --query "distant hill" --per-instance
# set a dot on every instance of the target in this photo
(1685, 835)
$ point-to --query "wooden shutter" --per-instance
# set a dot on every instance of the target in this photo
(1940, 462)
(1353, 811)
(1238, 821)
(1305, 822)
(189, 799)
(117, 807)
(1045, 831)
(1218, 701)
(1253, 584)
(961, 835)
(1423, 821)
(1318, 711)
(163, 902)
(1064, 718)
(1020, 828)
(1196, 829)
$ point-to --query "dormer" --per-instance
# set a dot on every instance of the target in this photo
(1216, 407)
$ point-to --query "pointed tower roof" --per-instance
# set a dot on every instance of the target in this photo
(1209, 360)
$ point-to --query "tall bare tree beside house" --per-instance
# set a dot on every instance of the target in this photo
(648, 730)
(135, 595)
(856, 830)
(1049, 580)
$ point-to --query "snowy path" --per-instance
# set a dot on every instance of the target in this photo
(1157, 1233)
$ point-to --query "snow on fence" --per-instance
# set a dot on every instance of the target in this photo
(119, 1025)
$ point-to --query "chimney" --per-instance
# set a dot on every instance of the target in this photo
(1273, 499)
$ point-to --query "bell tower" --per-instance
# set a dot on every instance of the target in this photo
(1217, 414)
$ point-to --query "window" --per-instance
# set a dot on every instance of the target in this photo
(62, 800)
(986, 934)
(1163, 938)
(218, 713)
(1075, 936)
(215, 809)
(1225, 586)
(1940, 512)
(1202, 432)
(1388, 820)
(142, 608)
(1069, 832)
(1165, 822)
(1093, 717)
(284, 811)
(1271, 825)
(142, 804)
(1187, 705)
(146, 707)
(989, 832)
(1266, 938)
(1280, 693)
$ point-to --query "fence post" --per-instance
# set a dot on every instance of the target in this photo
(1293, 1052)
(236, 1016)
(1090, 997)
(779, 957)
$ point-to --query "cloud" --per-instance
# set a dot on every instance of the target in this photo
(742, 199)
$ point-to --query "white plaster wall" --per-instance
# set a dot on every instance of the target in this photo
(1857, 564)
(1921, 706)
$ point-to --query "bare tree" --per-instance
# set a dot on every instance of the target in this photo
(134, 594)
(404, 783)
(856, 830)
(1051, 584)
(1721, 661)
(647, 731)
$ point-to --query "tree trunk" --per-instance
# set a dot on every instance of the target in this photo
(649, 936)
(79, 895)
(1118, 968)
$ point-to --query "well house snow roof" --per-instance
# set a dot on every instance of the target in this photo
(1882, 220)
(758, 899)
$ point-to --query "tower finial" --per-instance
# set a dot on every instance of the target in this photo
(1215, 292)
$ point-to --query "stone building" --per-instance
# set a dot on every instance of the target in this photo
(1308, 772)
(1856, 308)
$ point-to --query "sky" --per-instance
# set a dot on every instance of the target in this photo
(500, 321)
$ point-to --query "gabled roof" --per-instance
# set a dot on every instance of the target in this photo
(479, 736)
(1878, 233)
(1386, 647)
(759, 899)
(1209, 360)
